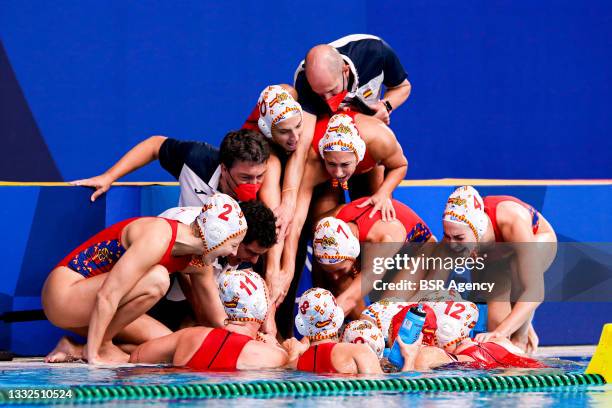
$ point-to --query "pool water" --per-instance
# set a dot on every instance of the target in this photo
(39, 374)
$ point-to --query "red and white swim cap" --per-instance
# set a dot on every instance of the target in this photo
(319, 316)
(364, 331)
(221, 219)
(455, 321)
(342, 136)
(275, 106)
(465, 206)
(334, 242)
(244, 295)
(381, 313)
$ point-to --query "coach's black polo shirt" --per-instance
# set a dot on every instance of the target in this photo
(195, 165)
(372, 64)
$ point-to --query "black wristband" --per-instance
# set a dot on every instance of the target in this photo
(388, 105)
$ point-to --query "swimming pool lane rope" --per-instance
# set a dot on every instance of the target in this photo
(324, 387)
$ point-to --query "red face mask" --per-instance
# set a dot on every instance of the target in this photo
(335, 101)
(247, 191)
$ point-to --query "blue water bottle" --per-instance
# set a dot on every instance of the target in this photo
(409, 332)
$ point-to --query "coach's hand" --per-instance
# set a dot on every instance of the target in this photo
(101, 183)
(381, 112)
(382, 203)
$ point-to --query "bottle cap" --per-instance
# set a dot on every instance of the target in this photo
(418, 310)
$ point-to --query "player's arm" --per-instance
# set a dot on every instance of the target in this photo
(515, 226)
(270, 195)
(143, 153)
(313, 175)
(147, 246)
(156, 351)
(385, 149)
(363, 283)
(294, 170)
(366, 361)
(204, 296)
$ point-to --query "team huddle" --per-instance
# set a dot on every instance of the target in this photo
(211, 284)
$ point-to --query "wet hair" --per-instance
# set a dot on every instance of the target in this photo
(261, 222)
(244, 145)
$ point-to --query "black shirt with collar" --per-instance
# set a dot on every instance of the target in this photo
(372, 63)
(193, 164)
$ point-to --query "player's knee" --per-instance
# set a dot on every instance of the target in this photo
(158, 283)
(134, 355)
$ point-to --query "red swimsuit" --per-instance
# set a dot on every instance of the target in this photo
(364, 166)
(252, 122)
(101, 252)
(491, 355)
(219, 351)
(416, 229)
(317, 359)
(490, 207)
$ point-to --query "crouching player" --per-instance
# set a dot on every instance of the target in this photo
(472, 225)
(234, 347)
(104, 287)
(454, 320)
(337, 242)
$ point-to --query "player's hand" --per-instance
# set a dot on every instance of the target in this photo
(91, 357)
(269, 324)
(382, 203)
(409, 352)
(101, 183)
(277, 294)
(381, 112)
(296, 348)
(284, 216)
(268, 338)
(488, 336)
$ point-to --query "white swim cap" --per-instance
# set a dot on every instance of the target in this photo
(364, 331)
(319, 316)
(342, 136)
(275, 106)
(244, 295)
(455, 320)
(184, 215)
(465, 206)
(221, 219)
(440, 295)
(382, 312)
(334, 242)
